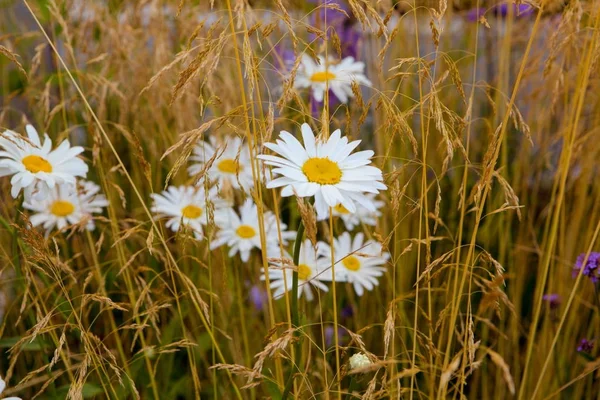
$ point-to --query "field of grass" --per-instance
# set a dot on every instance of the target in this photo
(162, 258)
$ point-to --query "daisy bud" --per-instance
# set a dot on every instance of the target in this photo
(359, 361)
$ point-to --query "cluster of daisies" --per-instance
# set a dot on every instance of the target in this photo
(52, 180)
(341, 182)
(355, 261)
(224, 166)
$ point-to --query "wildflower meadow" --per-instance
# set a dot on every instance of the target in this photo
(299, 199)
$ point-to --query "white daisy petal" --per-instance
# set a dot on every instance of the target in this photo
(340, 93)
(344, 151)
(287, 191)
(318, 93)
(309, 140)
(292, 173)
(33, 135)
(307, 189)
(276, 161)
(278, 182)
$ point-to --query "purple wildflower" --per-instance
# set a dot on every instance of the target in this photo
(338, 17)
(329, 338)
(339, 21)
(521, 10)
(350, 37)
(474, 14)
(347, 312)
(284, 59)
(585, 346)
(590, 269)
(501, 11)
(553, 300)
(258, 297)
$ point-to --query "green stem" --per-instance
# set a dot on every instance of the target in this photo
(295, 314)
(351, 388)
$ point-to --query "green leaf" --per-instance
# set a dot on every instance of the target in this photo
(36, 345)
(90, 390)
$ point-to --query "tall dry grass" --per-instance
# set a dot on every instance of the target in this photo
(487, 135)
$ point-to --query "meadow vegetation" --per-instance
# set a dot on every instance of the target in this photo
(449, 254)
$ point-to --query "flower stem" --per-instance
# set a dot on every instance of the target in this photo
(295, 314)
(351, 388)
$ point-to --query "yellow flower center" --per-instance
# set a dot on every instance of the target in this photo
(304, 272)
(191, 211)
(36, 164)
(62, 208)
(341, 209)
(322, 171)
(229, 166)
(352, 263)
(245, 231)
(322, 76)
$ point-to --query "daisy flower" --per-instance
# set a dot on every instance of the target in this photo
(324, 169)
(311, 268)
(357, 262)
(186, 206)
(242, 233)
(327, 74)
(362, 215)
(232, 166)
(67, 205)
(2, 387)
(35, 167)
